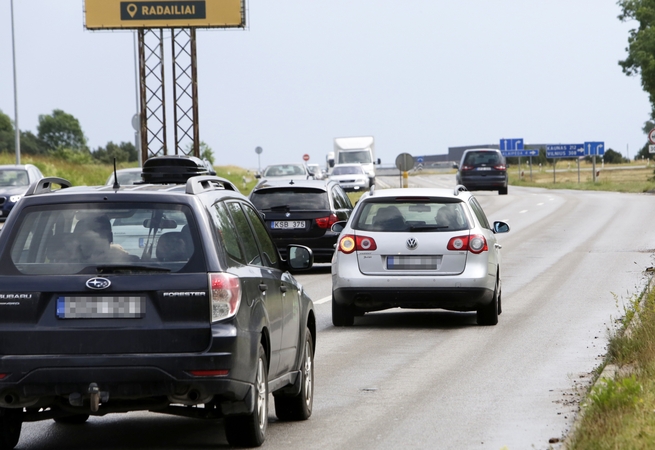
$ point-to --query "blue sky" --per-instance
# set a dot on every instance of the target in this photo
(419, 75)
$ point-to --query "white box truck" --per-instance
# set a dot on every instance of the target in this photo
(352, 150)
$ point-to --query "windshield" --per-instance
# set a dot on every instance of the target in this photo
(83, 238)
(355, 156)
(14, 177)
(284, 170)
(290, 199)
(391, 215)
(349, 170)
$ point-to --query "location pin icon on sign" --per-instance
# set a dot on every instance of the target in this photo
(131, 9)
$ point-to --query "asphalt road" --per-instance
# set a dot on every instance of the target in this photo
(434, 379)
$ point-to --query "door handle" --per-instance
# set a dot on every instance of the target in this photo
(283, 288)
(263, 287)
(498, 246)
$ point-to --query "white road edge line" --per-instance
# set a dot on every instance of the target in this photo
(323, 300)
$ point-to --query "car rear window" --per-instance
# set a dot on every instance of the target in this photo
(290, 199)
(482, 158)
(92, 238)
(395, 216)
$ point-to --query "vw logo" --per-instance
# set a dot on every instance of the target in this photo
(287, 214)
(412, 243)
(98, 283)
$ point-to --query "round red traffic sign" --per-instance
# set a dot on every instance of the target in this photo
(305, 157)
(651, 136)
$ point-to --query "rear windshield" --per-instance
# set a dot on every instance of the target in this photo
(482, 159)
(13, 177)
(433, 215)
(284, 170)
(94, 238)
(290, 199)
(349, 170)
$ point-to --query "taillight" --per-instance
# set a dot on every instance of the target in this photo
(225, 295)
(3, 375)
(475, 243)
(327, 222)
(349, 243)
(467, 167)
(500, 167)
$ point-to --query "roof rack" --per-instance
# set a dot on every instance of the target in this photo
(200, 184)
(459, 188)
(44, 185)
(174, 169)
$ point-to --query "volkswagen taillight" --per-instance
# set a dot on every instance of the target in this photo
(474, 243)
(349, 243)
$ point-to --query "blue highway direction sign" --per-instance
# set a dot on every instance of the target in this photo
(564, 150)
(594, 148)
(511, 144)
(524, 152)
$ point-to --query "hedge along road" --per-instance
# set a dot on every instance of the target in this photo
(434, 379)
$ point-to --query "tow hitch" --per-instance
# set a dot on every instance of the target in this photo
(95, 397)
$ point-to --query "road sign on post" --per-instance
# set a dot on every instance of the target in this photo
(511, 144)
(305, 157)
(404, 162)
(593, 149)
(651, 136)
(564, 150)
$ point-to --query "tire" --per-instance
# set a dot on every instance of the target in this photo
(488, 314)
(250, 430)
(76, 419)
(342, 316)
(299, 407)
(502, 191)
(10, 425)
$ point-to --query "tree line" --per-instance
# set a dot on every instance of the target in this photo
(60, 134)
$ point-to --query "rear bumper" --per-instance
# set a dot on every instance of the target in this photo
(45, 380)
(484, 182)
(373, 299)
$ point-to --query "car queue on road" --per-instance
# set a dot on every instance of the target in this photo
(437, 246)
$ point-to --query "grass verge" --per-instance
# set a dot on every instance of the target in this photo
(620, 412)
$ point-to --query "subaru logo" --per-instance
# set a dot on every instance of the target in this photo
(98, 283)
(288, 214)
(412, 243)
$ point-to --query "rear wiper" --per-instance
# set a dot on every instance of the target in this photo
(282, 207)
(427, 227)
(128, 269)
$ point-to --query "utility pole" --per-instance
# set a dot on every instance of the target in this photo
(13, 51)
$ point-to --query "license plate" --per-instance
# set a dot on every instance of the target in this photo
(101, 307)
(484, 168)
(413, 262)
(287, 224)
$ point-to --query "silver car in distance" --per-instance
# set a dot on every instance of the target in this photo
(417, 248)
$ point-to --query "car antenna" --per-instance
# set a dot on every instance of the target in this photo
(116, 185)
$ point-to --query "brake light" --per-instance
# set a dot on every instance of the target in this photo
(327, 222)
(225, 295)
(500, 167)
(467, 167)
(349, 243)
(3, 375)
(475, 243)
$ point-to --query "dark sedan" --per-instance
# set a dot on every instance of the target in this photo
(302, 212)
(14, 181)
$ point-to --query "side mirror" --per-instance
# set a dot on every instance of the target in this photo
(379, 161)
(258, 175)
(455, 166)
(501, 227)
(337, 227)
(300, 257)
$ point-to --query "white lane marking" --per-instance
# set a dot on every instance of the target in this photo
(539, 204)
(524, 211)
(323, 300)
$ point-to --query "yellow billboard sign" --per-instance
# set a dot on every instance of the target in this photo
(117, 14)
